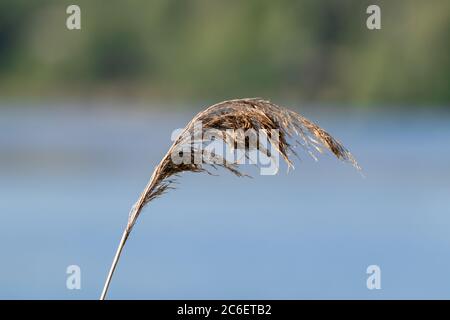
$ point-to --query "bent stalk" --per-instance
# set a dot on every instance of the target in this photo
(252, 113)
(114, 263)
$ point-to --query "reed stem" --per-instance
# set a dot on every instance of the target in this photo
(125, 234)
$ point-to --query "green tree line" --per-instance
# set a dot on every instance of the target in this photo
(319, 51)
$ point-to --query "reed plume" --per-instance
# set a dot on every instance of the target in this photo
(252, 113)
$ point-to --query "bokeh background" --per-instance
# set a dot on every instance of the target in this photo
(86, 115)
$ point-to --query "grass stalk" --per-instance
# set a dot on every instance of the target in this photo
(252, 113)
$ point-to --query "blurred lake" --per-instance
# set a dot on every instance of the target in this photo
(69, 175)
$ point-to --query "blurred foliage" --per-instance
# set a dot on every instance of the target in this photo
(311, 50)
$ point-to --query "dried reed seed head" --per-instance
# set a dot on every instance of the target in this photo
(250, 113)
